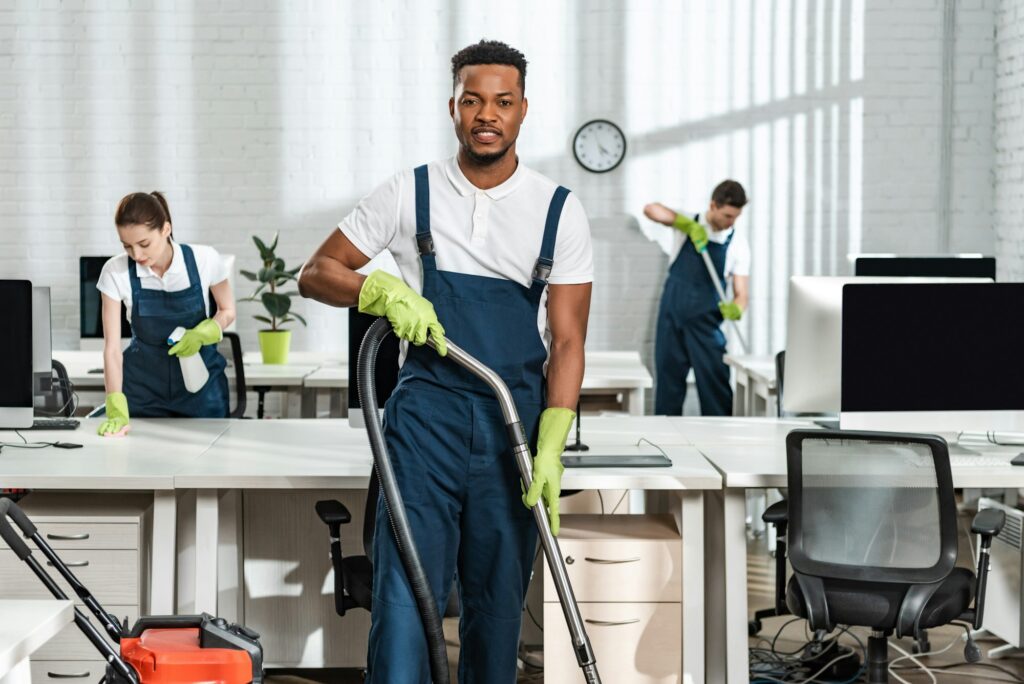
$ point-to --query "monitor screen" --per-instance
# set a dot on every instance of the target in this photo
(16, 346)
(90, 303)
(951, 347)
(926, 266)
(387, 361)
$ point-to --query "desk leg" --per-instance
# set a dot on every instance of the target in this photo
(163, 553)
(309, 401)
(207, 530)
(21, 673)
(691, 526)
(739, 397)
(725, 544)
(635, 401)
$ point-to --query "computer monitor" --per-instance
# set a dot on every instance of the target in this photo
(933, 358)
(947, 266)
(387, 364)
(90, 325)
(16, 355)
(813, 339)
(42, 342)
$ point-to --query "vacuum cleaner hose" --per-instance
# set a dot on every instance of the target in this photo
(425, 602)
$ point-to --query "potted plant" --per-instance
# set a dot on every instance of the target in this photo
(274, 341)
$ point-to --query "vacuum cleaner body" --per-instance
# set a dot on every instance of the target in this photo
(172, 649)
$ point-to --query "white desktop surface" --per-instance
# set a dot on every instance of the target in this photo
(708, 431)
(25, 627)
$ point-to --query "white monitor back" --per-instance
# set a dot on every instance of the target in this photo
(42, 340)
(814, 338)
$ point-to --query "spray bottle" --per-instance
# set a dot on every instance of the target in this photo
(193, 368)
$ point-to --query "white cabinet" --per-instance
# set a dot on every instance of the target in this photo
(625, 573)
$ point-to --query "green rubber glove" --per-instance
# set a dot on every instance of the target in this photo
(731, 311)
(693, 230)
(207, 332)
(547, 464)
(117, 415)
(411, 315)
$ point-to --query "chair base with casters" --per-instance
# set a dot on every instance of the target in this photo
(776, 516)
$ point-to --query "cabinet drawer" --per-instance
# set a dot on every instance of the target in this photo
(71, 644)
(68, 671)
(87, 535)
(619, 558)
(111, 576)
(639, 643)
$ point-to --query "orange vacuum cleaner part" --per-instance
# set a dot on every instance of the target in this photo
(173, 656)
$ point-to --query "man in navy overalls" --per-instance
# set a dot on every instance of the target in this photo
(498, 258)
(689, 332)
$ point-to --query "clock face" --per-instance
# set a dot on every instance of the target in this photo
(599, 146)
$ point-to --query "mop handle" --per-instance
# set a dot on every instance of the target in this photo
(721, 295)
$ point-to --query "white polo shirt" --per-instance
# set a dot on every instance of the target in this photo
(115, 283)
(495, 233)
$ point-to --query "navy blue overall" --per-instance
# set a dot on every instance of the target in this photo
(454, 466)
(152, 380)
(690, 334)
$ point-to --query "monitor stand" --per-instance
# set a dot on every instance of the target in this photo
(827, 423)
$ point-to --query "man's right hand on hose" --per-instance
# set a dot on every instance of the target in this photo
(684, 224)
(116, 423)
(411, 315)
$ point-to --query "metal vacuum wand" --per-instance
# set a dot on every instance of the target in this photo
(721, 296)
(521, 449)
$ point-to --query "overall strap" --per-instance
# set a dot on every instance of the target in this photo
(133, 280)
(542, 269)
(190, 266)
(424, 242)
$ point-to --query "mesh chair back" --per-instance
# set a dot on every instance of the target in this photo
(870, 506)
(230, 347)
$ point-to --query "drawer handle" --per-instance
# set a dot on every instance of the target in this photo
(67, 675)
(608, 623)
(68, 537)
(72, 564)
(605, 561)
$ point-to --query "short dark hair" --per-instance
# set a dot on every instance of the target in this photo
(729, 192)
(489, 52)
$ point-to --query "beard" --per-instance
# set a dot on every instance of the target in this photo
(485, 158)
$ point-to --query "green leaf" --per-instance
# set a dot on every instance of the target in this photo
(301, 319)
(295, 270)
(264, 319)
(248, 274)
(264, 252)
(278, 264)
(278, 305)
(266, 275)
(273, 247)
(293, 293)
(282, 279)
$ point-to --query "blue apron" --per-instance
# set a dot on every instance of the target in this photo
(452, 459)
(690, 334)
(152, 380)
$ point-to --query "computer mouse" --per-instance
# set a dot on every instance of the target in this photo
(67, 445)
(1018, 459)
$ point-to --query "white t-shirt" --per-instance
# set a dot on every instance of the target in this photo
(115, 283)
(737, 257)
(495, 233)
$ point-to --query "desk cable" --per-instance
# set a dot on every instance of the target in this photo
(25, 444)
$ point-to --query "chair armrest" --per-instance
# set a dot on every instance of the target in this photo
(988, 522)
(777, 513)
(333, 512)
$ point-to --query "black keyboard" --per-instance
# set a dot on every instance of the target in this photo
(54, 424)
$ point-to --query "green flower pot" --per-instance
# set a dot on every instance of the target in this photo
(274, 345)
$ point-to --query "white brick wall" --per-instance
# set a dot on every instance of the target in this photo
(262, 116)
(1009, 139)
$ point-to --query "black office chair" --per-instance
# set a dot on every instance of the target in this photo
(873, 538)
(56, 397)
(234, 360)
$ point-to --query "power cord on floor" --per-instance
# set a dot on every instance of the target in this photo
(782, 667)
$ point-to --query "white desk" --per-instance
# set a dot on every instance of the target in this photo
(147, 459)
(752, 465)
(26, 626)
(296, 454)
(606, 372)
(756, 393)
